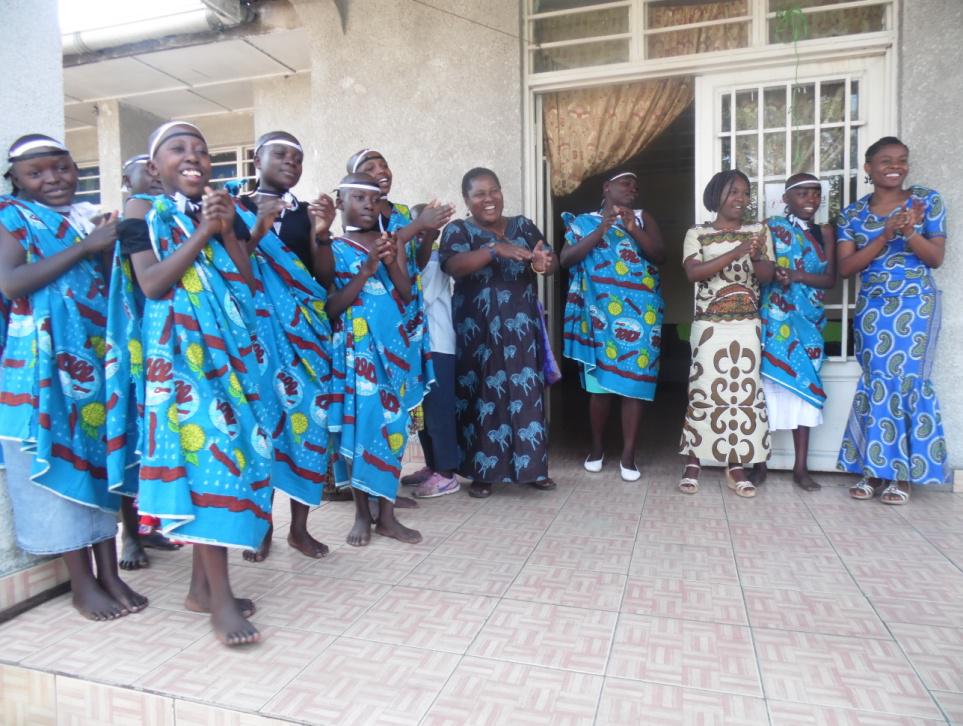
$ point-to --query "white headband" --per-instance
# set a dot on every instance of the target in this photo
(359, 159)
(359, 185)
(32, 144)
(619, 176)
(279, 142)
(159, 135)
(804, 183)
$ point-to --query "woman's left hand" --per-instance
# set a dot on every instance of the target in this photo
(912, 217)
(541, 258)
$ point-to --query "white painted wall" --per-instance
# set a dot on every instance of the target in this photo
(930, 107)
(31, 28)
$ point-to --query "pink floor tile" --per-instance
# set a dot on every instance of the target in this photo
(856, 673)
(708, 656)
(839, 613)
(633, 702)
(319, 604)
(717, 602)
(424, 619)
(596, 554)
(370, 564)
(802, 714)
(359, 682)
(547, 635)
(563, 586)
(39, 628)
(684, 561)
(463, 574)
(952, 705)
(936, 653)
(489, 693)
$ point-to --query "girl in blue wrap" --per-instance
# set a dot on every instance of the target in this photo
(613, 315)
(53, 398)
(893, 239)
(371, 358)
(216, 398)
(791, 310)
(289, 235)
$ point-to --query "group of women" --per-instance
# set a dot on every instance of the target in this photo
(212, 347)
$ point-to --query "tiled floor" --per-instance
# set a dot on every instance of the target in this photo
(601, 602)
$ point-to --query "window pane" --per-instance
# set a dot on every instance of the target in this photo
(667, 13)
(747, 113)
(224, 171)
(88, 184)
(776, 6)
(832, 101)
(775, 110)
(547, 6)
(752, 209)
(726, 154)
(854, 100)
(847, 22)
(697, 40)
(831, 148)
(746, 151)
(803, 143)
(582, 25)
(854, 149)
(834, 203)
(726, 112)
(803, 109)
(775, 153)
(581, 55)
(224, 157)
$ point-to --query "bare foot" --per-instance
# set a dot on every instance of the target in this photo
(132, 555)
(262, 552)
(200, 603)
(405, 503)
(758, 474)
(307, 545)
(119, 590)
(360, 534)
(156, 541)
(398, 531)
(804, 481)
(94, 603)
(231, 628)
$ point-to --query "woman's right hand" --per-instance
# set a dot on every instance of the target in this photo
(103, 236)
(371, 262)
(508, 251)
(894, 225)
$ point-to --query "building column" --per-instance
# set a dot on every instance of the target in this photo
(33, 25)
(122, 132)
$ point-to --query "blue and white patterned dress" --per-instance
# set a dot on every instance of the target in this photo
(895, 431)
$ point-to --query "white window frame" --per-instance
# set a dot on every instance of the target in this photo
(85, 196)
(240, 161)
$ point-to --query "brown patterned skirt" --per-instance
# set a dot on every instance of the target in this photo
(726, 419)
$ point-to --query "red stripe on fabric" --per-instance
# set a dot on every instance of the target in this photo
(44, 383)
(225, 459)
(380, 464)
(12, 363)
(625, 374)
(112, 401)
(117, 443)
(315, 448)
(400, 362)
(231, 504)
(151, 434)
(261, 484)
(16, 399)
(621, 283)
(187, 321)
(215, 373)
(778, 363)
(168, 326)
(92, 315)
(280, 427)
(62, 452)
(312, 476)
(44, 420)
(300, 342)
(162, 473)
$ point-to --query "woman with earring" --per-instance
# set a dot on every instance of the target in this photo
(894, 238)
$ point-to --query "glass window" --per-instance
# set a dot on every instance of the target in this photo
(576, 26)
(582, 55)
(88, 183)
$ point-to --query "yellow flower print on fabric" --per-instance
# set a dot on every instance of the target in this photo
(192, 441)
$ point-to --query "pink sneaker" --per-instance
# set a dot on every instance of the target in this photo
(436, 486)
(416, 478)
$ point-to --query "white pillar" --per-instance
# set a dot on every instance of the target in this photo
(122, 132)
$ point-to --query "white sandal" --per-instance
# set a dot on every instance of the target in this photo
(687, 484)
(862, 490)
(893, 489)
(743, 487)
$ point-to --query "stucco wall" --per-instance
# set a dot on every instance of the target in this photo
(226, 129)
(931, 109)
(31, 25)
(436, 90)
(83, 144)
(284, 104)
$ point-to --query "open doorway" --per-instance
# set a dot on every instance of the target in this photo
(666, 174)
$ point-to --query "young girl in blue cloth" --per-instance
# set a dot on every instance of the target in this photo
(372, 358)
(53, 398)
(214, 404)
(288, 232)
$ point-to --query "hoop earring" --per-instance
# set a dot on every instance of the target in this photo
(867, 178)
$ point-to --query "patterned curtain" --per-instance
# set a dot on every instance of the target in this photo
(696, 40)
(590, 130)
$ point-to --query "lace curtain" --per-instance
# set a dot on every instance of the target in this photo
(590, 130)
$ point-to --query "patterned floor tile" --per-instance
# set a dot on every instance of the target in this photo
(936, 653)
(562, 586)
(805, 572)
(123, 650)
(803, 714)
(359, 682)
(684, 561)
(39, 628)
(952, 705)
(319, 604)
(463, 574)
(486, 693)
(27, 697)
(547, 635)
(631, 702)
(244, 677)
(856, 673)
(655, 530)
(614, 525)
(839, 613)
(717, 602)
(93, 704)
(490, 545)
(708, 656)
(596, 554)
(428, 619)
(940, 611)
(188, 713)
(371, 564)
(249, 582)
